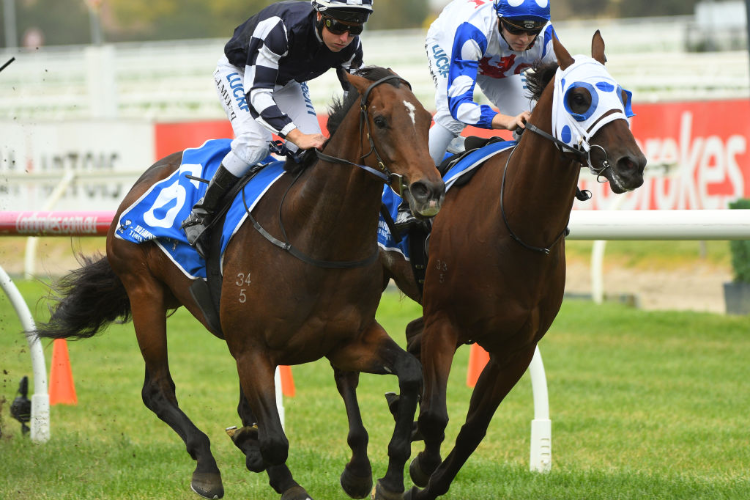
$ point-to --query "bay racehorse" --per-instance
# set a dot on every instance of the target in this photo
(496, 268)
(317, 299)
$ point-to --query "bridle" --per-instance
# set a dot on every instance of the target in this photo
(582, 156)
(384, 174)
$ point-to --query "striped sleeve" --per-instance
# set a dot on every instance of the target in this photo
(469, 45)
(350, 66)
(268, 45)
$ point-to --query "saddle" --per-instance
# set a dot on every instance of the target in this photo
(207, 294)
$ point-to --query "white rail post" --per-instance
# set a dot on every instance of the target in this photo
(541, 426)
(40, 399)
(29, 266)
(279, 395)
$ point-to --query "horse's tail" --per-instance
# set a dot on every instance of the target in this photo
(87, 301)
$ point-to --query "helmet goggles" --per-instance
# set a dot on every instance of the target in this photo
(338, 28)
(530, 27)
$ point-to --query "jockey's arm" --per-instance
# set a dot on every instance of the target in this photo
(469, 46)
(306, 141)
(506, 122)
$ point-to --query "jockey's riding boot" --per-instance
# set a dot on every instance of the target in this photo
(203, 211)
(404, 218)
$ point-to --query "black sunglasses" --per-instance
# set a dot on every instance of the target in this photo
(519, 30)
(339, 28)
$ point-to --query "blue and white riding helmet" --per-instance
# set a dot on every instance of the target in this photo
(576, 129)
(350, 11)
(530, 14)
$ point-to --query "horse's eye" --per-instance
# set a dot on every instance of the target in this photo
(579, 101)
(380, 122)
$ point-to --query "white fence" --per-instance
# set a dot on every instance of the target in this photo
(598, 225)
(172, 80)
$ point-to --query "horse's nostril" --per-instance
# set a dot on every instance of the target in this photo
(627, 163)
(419, 190)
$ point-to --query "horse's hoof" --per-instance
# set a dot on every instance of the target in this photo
(207, 484)
(380, 493)
(355, 486)
(295, 493)
(244, 438)
(418, 477)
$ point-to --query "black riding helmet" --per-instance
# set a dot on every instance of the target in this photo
(348, 11)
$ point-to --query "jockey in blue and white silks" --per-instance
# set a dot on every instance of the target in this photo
(261, 83)
(487, 43)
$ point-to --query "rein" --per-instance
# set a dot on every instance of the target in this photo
(384, 174)
(544, 250)
(583, 157)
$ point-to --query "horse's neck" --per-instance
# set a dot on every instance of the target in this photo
(341, 201)
(541, 180)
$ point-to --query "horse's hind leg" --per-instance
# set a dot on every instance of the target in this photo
(149, 320)
(494, 383)
(376, 352)
(356, 480)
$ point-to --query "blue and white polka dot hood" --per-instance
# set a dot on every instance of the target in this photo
(577, 129)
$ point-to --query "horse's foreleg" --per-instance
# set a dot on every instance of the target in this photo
(246, 439)
(494, 383)
(258, 385)
(438, 349)
(356, 480)
(375, 352)
(149, 320)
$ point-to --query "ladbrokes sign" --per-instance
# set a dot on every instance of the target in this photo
(705, 144)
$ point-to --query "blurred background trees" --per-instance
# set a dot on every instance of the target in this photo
(60, 22)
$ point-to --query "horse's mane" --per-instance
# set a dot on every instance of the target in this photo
(340, 107)
(338, 110)
(539, 77)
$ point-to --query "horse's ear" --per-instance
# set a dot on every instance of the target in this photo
(360, 83)
(597, 48)
(564, 58)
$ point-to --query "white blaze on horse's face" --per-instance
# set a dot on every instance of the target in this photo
(577, 128)
(412, 111)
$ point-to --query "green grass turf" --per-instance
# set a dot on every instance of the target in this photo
(643, 405)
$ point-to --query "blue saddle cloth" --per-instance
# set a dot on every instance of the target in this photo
(157, 215)
(391, 200)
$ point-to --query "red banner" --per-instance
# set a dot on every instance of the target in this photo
(705, 144)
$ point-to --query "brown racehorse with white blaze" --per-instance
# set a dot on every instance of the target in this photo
(289, 310)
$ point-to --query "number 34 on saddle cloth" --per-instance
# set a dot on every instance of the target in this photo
(157, 215)
(468, 163)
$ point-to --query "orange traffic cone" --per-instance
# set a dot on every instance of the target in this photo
(287, 382)
(61, 387)
(478, 358)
